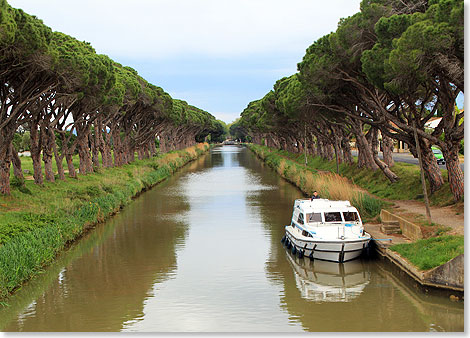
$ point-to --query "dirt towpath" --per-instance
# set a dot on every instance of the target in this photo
(447, 216)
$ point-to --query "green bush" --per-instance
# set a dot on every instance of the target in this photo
(368, 206)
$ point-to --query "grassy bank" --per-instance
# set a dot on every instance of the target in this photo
(431, 252)
(37, 222)
(329, 185)
(321, 175)
(407, 188)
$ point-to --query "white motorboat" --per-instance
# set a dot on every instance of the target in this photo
(326, 230)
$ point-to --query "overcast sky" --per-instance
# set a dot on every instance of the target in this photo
(216, 54)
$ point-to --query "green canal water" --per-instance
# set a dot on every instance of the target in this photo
(202, 252)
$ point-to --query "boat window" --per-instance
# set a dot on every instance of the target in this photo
(300, 220)
(314, 217)
(351, 216)
(295, 215)
(306, 234)
(333, 217)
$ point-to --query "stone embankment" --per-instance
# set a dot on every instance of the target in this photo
(449, 276)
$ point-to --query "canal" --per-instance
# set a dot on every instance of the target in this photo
(202, 252)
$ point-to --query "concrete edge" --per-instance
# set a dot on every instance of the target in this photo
(424, 278)
(409, 229)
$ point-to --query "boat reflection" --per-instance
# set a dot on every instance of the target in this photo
(322, 281)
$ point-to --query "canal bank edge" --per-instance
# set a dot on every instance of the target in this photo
(448, 276)
(26, 254)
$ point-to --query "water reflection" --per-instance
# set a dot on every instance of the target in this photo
(221, 285)
(321, 281)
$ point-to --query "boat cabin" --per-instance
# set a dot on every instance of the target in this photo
(323, 212)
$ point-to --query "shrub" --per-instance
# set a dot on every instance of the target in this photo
(368, 206)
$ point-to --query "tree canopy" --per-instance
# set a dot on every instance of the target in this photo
(56, 86)
(380, 77)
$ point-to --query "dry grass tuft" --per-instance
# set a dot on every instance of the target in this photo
(168, 158)
(282, 166)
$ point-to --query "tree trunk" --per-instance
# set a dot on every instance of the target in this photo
(330, 151)
(117, 144)
(152, 147)
(384, 167)
(337, 156)
(146, 150)
(86, 165)
(283, 143)
(68, 153)
(276, 143)
(140, 153)
(47, 154)
(16, 161)
(130, 149)
(336, 147)
(455, 173)
(36, 153)
(453, 134)
(365, 155)
(95, 144)
(162, 144)
(6, 137)
(300, 146)
(423, 182)
(387, 150)
(5, 169)
(319, 147)
(348, 158)
(106, 150)
(58, 160)
(311, 145)
(70, 166)
(83, 154)
(430, 167)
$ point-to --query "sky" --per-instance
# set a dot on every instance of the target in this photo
(217, 55)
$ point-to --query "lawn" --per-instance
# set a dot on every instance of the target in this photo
(429, 253)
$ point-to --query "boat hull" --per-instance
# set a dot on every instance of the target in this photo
(327, 250)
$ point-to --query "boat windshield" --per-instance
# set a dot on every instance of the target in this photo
(350, 216)
(333, 217)
(330, 217)
(314, 217)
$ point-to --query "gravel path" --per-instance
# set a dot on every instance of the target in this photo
(446, 216)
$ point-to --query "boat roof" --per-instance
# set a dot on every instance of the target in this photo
(322, 205)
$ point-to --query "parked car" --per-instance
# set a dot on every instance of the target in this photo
(438, 155)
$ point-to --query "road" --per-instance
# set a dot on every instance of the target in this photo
(407, 158)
